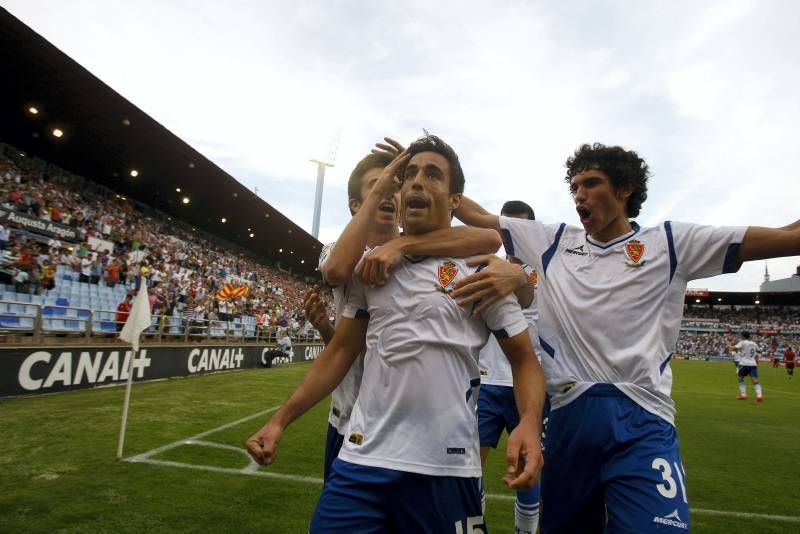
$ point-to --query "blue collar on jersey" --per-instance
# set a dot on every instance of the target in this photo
(616, 241)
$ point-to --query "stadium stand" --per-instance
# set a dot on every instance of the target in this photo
(52, 287)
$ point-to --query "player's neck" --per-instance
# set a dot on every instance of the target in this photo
(379, 236)
(618, 227)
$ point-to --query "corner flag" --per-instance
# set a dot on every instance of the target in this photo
(138, 321)
(138, 318)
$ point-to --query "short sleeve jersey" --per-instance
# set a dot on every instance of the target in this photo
(344, 396)
(748, 352)
(611, 312)
(416, 409)
(495, 367)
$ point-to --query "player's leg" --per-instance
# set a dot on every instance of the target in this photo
(490, 425)
(756, 383)
(333, 442)
(526, 505)
(354, 498)
(448, 505)
(741, 372)
(790, 370)
(571, 490)
(644, 479)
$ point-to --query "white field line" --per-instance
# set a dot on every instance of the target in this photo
(251, 470)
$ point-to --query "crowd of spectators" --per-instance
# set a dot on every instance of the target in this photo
(739, 319)
(721, 345)
(118, 244)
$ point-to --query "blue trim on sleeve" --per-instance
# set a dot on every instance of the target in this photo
(500, 334)
(673, 257)
(362, 314)
(730, 258)
(550, 252)
(663, 365)
(547, 348)
(508, 242)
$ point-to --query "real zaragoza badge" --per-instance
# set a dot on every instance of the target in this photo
(635, 250)
(447, 273)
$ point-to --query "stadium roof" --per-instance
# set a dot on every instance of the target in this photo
(105, 137)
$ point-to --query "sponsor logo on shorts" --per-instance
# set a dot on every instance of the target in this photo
(356, 438)
(456, 450)
(671, 520)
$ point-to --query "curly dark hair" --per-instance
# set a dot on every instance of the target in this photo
(623, 167)
(432, 143)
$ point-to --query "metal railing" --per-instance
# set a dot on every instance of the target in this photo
(39, 320)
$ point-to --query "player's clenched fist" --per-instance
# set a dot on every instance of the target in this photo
(263, 445)
(523, 457)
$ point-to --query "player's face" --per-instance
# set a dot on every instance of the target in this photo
(426, 201)
(601, 209)
(388, 211)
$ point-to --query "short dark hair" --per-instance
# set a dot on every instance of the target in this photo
(746, 335)
(432, 143)
(623, 167)
(516, 207)
(367, 163)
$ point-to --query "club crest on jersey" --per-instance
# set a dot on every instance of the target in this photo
(534, 278)
(447, 273)
(635, 250)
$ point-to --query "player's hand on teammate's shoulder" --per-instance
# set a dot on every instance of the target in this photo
(375, 267)
(263, 445)
(524, 458)
(498, 279)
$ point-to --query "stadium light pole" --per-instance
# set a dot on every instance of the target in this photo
(321, 165)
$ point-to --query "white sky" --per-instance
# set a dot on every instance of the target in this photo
(707, 92)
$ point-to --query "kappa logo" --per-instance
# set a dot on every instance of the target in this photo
(671, 520)
(634, 250)
(577, 251)
(447, 273)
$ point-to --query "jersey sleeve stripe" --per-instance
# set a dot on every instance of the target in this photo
(500, 334)
(547, 348)
(550, 252)
(729, 266)
(673, 258)
(508, 243)
(664, 363)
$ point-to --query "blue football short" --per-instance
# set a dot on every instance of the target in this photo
(365, 500)
(497, 411)
(333, 442)
(610, 466)
(748, 370)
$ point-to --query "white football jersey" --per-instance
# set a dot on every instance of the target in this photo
(611, 312)
(748, 351)
(344, 396)
(495, 367)
(416, 409)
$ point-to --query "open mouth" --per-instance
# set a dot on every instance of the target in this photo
(583, 212)
(387, 207)
(416, 202)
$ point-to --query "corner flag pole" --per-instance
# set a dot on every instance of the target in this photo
(138, 321)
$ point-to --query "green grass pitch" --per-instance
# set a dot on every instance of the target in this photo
(58, 471)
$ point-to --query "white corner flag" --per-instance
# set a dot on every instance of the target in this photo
(138, 318)
(138, 321)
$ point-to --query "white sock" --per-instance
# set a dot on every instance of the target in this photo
(526, 517)
(742, 389)
(758, 390)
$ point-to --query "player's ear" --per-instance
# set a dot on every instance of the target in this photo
(455, 201)
(354, 205)
(624, 192)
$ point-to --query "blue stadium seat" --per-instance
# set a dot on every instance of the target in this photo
(9, 321)
(62, 302)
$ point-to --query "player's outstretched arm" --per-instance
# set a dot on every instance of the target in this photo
(456, 242)
(473, 214)
(328, 370)
(524, 451)
(498, 279)
(316, 312)
(762, 243)
(345, 255)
